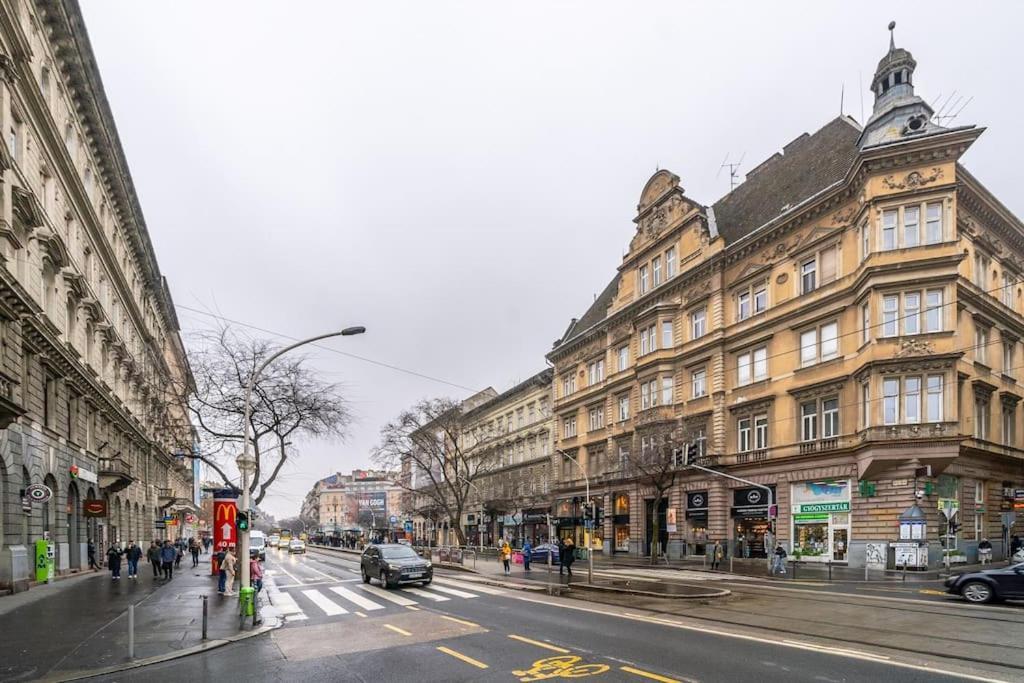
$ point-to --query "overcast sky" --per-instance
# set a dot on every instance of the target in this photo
(460, 178)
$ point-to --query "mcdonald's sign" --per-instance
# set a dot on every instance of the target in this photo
(225, 512)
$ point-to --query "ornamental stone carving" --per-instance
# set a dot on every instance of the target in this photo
(913, 180)
(913, 347)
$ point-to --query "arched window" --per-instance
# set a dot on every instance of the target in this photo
(90, 333)
(49, 289)
(71, 327)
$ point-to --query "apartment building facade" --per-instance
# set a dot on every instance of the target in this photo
(93, 374)
(844, 328)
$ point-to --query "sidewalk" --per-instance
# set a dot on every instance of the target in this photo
(66, 629)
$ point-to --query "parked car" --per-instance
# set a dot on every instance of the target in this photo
(258, 542)
(1006, 583)
(296, 545)
(394, 564)
(540, 553)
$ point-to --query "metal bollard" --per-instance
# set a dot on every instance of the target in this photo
(904, 572)
(205, 611)
(131, 631)
(865, 571)
(830, 570)
(795, 563)
(730, 565)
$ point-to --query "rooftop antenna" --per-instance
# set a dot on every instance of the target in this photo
(842, 96)
(733, 170)
(942, 107)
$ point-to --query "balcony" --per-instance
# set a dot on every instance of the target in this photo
(114, 474)
(654, 415)
(819, 445)
(759, 455)
(164, 496)
(9, 409)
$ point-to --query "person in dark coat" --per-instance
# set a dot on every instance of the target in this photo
(114, 562)
(133, 555)
(153, 555)
(568, 556)
(92, 556)
(167, 556)
(193, 547)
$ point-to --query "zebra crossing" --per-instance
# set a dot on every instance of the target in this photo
(301, 602)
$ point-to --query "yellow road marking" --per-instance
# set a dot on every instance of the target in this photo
(929, 591)
(414, 609)
(648, 674)
(546, 646)
(360, 614)
(459, 655)
(397, 630)
(460, 621)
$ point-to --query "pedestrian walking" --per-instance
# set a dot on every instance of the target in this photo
(255, 570)
(568, 556)
(527, 552)
(114, 562)
(133, 555)
(506, 557)
(560, 546)
(779, 560)
(153, 555)
(229, 563)
(193, 547)
(91, 551)
(167, 556)
(985, 551)
(178, 554)
(222, 575)
(717, 553)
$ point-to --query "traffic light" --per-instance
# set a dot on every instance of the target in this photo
(242, 521)
(692, 453)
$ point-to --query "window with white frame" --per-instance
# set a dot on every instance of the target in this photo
(933, 310)
(623, 400)
(819, 419)
(670, 262)
(667, 398)
(865, 323)
(1007, 291)
(890, 400)
(700, 440)
(865, 404)
(642, 276)
(623, 357)
(699, 382)
(903, 227)
(933, 399)
(752, 366)
(819, 344)
(981, 415)
(760, 432)
(698, 323)
(981, 344)
(865, 241)
(982, 264)
(656, 271)
(809, 421)
(623, 456)
(912, 399)
(911, 226)
(744, 438)
(569, 427)
(830, 418)
(808, 275)
(648, 340)
(667, 341)
(569, 384)
(818, 270)
(933, 223)
(1008, 358)
(1009, 417)
(890, 218)
(890, 314)
(911, 313)
(648, 394)
(596, 418)
(595, 372)
(752, 300)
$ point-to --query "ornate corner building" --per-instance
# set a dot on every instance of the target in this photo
(93, 374)
(848, 315)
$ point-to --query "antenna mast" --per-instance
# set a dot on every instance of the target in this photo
(733, 170)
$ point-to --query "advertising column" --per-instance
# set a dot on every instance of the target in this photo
(225, 514)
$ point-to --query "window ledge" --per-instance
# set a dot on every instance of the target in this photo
(830, 361)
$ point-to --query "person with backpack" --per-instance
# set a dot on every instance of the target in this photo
(222, 575)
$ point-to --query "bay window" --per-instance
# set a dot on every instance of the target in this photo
(933, 224)
(890, 311)
(912, 313)
(698, 383)
(656, 271)
(911, 226)
(933, 310)
(903, 402)
(890, 401)
(865, 323)
(889, 220)
(666, 335)
(666, 391)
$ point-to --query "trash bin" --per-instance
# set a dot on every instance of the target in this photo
(246, 597)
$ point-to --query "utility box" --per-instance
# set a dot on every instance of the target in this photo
(45, 556)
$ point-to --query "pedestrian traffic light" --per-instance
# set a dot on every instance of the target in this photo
(242, 521)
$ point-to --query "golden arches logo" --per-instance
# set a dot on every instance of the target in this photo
(226, 512)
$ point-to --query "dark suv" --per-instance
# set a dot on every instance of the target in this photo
(394, 564)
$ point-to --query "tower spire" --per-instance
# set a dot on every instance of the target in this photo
(892, 36)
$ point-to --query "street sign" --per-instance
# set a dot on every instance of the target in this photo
(393, 519)
(949, 507)
(159, 524)
(38, 493)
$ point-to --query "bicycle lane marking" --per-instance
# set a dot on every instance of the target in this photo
(564, 665)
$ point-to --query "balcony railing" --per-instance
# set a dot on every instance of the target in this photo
(819, 445)
(115, 467)
(752, 456)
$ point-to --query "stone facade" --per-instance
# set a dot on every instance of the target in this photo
(93, 374)
(844, 326)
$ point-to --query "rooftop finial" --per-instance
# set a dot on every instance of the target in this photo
(892, 36)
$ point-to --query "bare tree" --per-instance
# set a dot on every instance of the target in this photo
(289, 403)
(425, 444)
(654, 463)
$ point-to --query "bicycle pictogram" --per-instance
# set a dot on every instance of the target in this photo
(564, 666)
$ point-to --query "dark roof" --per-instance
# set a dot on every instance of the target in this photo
(805, 167)
(597, 311)
(540, 379)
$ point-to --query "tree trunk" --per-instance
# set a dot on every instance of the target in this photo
(460, 534)
(655, 529)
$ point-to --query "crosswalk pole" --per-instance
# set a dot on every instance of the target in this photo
(131, 631)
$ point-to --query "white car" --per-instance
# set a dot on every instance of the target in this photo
(297, 545)
(273, 540)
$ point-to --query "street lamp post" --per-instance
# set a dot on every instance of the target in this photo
(590, 543)
(246, 461)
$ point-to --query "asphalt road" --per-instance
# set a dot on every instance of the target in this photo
(457, 630)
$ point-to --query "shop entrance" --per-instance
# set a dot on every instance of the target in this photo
(750, 536)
